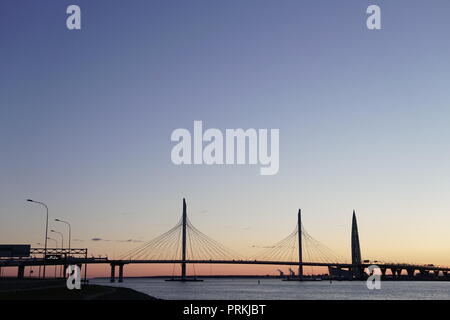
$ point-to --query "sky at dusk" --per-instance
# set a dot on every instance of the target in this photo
(86, 119)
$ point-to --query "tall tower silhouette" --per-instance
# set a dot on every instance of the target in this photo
(184, 237)
(183, 251)
(300, 249)
(356, 250)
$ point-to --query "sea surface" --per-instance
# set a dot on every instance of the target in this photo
(269, 289)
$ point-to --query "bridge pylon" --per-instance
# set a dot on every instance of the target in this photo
(300, 249)
(183, 253)
(184, 261)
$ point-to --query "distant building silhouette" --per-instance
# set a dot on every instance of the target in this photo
(356, 250)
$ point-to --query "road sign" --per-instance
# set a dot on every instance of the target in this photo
(14, 250)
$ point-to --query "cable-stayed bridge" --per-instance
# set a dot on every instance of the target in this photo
(184, 244)
(185, 241)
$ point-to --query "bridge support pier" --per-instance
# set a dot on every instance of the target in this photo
(410, 272)
(65, 266)
(394, 272)
(80, 266)
(424, 272)
(21, 272)
(113, 273)
(120, 273)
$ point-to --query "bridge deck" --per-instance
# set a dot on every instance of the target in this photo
(37, 262)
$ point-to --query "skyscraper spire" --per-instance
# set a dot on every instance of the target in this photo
(356, 250)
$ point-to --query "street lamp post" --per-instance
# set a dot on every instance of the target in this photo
(62, 243)
(56, 246)
(62, 237)
(70, 238)
(46, 231)
(39, 275)
(70, 229)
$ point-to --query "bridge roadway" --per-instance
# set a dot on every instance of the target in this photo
(79, 261)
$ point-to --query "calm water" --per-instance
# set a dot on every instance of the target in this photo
(241, 289)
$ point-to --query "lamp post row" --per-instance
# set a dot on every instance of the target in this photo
(46, 232)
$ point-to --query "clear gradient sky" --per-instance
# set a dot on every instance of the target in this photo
(86, 118)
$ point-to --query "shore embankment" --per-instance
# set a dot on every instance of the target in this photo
(55, 289)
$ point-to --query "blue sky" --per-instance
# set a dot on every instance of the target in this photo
(86, 118)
